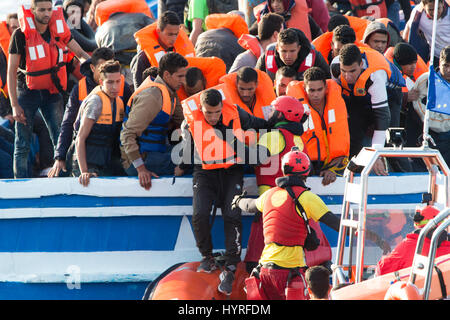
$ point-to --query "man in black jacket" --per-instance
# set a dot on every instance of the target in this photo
(292, 49)
(90, 70)
(218, 172)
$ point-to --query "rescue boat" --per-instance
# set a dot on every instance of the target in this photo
(183, 282)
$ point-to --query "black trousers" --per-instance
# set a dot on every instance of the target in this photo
(217, 187)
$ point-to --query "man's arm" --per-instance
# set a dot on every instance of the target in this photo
(249, 121)
(65, 134)
(13, 65)
(197, 29)
(144, 109)
(380, 107)
(78, 51)
(80, 145)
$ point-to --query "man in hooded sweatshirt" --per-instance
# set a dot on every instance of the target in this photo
(292, 49)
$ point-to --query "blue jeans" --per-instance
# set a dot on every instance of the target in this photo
(51, 108)
(393, 13)
(6, 153)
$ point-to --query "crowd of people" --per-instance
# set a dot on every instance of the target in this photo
(295, 89)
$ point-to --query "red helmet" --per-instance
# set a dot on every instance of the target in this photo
(295, 162)
(424, 214)
(292, 109)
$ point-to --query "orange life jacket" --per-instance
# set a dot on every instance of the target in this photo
(4, 46)
(359, 25)
(106, 8)
(45, 62)
(106, 115)
(233, 22)
(105, 131)
(250, 42)
(326, 137)
(147, 39)
(213, 68)
(421, 66)
(281, 222)
(323, 44)
(4, 38)
(264, 93)
(83, 91)
(299, 16)
(376, 8)
(376, 61)
(214, 151)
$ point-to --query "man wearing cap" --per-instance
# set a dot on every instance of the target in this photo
(402, 256)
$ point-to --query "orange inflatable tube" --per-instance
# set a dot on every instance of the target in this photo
(185, 283)
(213, 68)
(377, 288)
(106, 8)
(234, 22)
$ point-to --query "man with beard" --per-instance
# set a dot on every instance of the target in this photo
(37, 74)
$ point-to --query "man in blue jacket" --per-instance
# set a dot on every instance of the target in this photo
(90, 70)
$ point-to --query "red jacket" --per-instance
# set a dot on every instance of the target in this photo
(402, 256)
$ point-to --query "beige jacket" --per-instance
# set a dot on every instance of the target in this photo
(144, 108)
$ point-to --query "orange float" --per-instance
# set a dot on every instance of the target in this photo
(376, 288)
(106, 8)
(185, 283)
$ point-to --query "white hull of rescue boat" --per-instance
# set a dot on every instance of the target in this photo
(59, 240)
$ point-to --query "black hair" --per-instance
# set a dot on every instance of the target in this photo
(101, 53)
(445, 54)
(350, 54)
(337, 20)
(286, 71)
(11, 16)
(150, 72)
(314, 74)
(211, 97)
(109, 66)
(34, 2)
(193, 75)
(288, 36)
(269, 23)
(247, 74)
(168, 17)
(318, 280)
(171, 62)
(344, 34)
(430, 1)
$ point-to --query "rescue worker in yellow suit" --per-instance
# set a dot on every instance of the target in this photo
(286, 209)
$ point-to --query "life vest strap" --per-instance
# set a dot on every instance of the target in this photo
(43, 72)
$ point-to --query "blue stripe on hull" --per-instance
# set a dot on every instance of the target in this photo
(74, 201)
(60, 291)
(100, 234)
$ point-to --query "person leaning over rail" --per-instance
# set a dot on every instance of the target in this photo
(153, 109)
(326, 136)
(364, 75)
(98, 126)
(214, 137)
(90, 69)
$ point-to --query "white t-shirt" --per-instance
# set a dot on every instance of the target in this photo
(442, 30)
